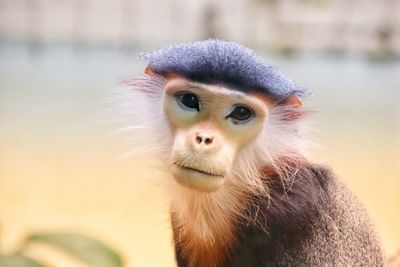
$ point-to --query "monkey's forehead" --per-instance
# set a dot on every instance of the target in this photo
(221, 62)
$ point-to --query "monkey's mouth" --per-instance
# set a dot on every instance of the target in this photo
(213, 174)
(193, 177)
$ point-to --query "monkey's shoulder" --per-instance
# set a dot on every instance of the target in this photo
(295, 199)
(311, 219)
(292, 204)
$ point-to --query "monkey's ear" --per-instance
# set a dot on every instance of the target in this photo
(149, 71)
(294, 101)
(169, 75)
(294, 112)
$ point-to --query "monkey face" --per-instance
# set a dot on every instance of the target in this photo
(210, 124)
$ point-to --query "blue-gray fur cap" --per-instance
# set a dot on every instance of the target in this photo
(222, 62)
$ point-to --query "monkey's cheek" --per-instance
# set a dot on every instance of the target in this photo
(196, 180)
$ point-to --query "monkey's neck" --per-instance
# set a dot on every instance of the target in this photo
(204, 224)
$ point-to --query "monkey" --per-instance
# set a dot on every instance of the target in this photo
(228, 130)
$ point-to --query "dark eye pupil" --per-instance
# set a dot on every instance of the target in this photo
(190, 100)
(241, 113)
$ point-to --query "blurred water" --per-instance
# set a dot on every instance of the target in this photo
(50, 101)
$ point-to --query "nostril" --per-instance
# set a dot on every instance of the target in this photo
(199, 139)
(208, 140)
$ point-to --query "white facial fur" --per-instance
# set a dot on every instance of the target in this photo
(260, 142)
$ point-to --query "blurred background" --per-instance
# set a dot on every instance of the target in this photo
(60, 166)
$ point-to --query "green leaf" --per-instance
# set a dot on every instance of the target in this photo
(88, 250)
(18, 261)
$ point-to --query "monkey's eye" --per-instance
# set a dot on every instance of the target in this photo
(240, 114)
(188, 100)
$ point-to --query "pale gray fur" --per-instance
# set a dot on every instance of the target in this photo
(343, 236)
(216, 61)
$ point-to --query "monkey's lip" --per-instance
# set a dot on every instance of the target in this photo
(199, 171)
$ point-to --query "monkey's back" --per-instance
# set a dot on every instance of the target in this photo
(313, 221)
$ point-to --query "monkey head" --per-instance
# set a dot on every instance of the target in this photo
(216, 101)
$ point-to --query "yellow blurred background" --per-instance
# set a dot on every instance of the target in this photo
(60, 166)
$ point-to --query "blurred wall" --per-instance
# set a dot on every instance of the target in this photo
(339, 26)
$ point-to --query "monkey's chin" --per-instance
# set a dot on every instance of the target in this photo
(197, 180)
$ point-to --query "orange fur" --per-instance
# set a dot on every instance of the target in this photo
(204, 224)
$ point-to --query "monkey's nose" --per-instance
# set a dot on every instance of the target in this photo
(203, 142)
(204, 139)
